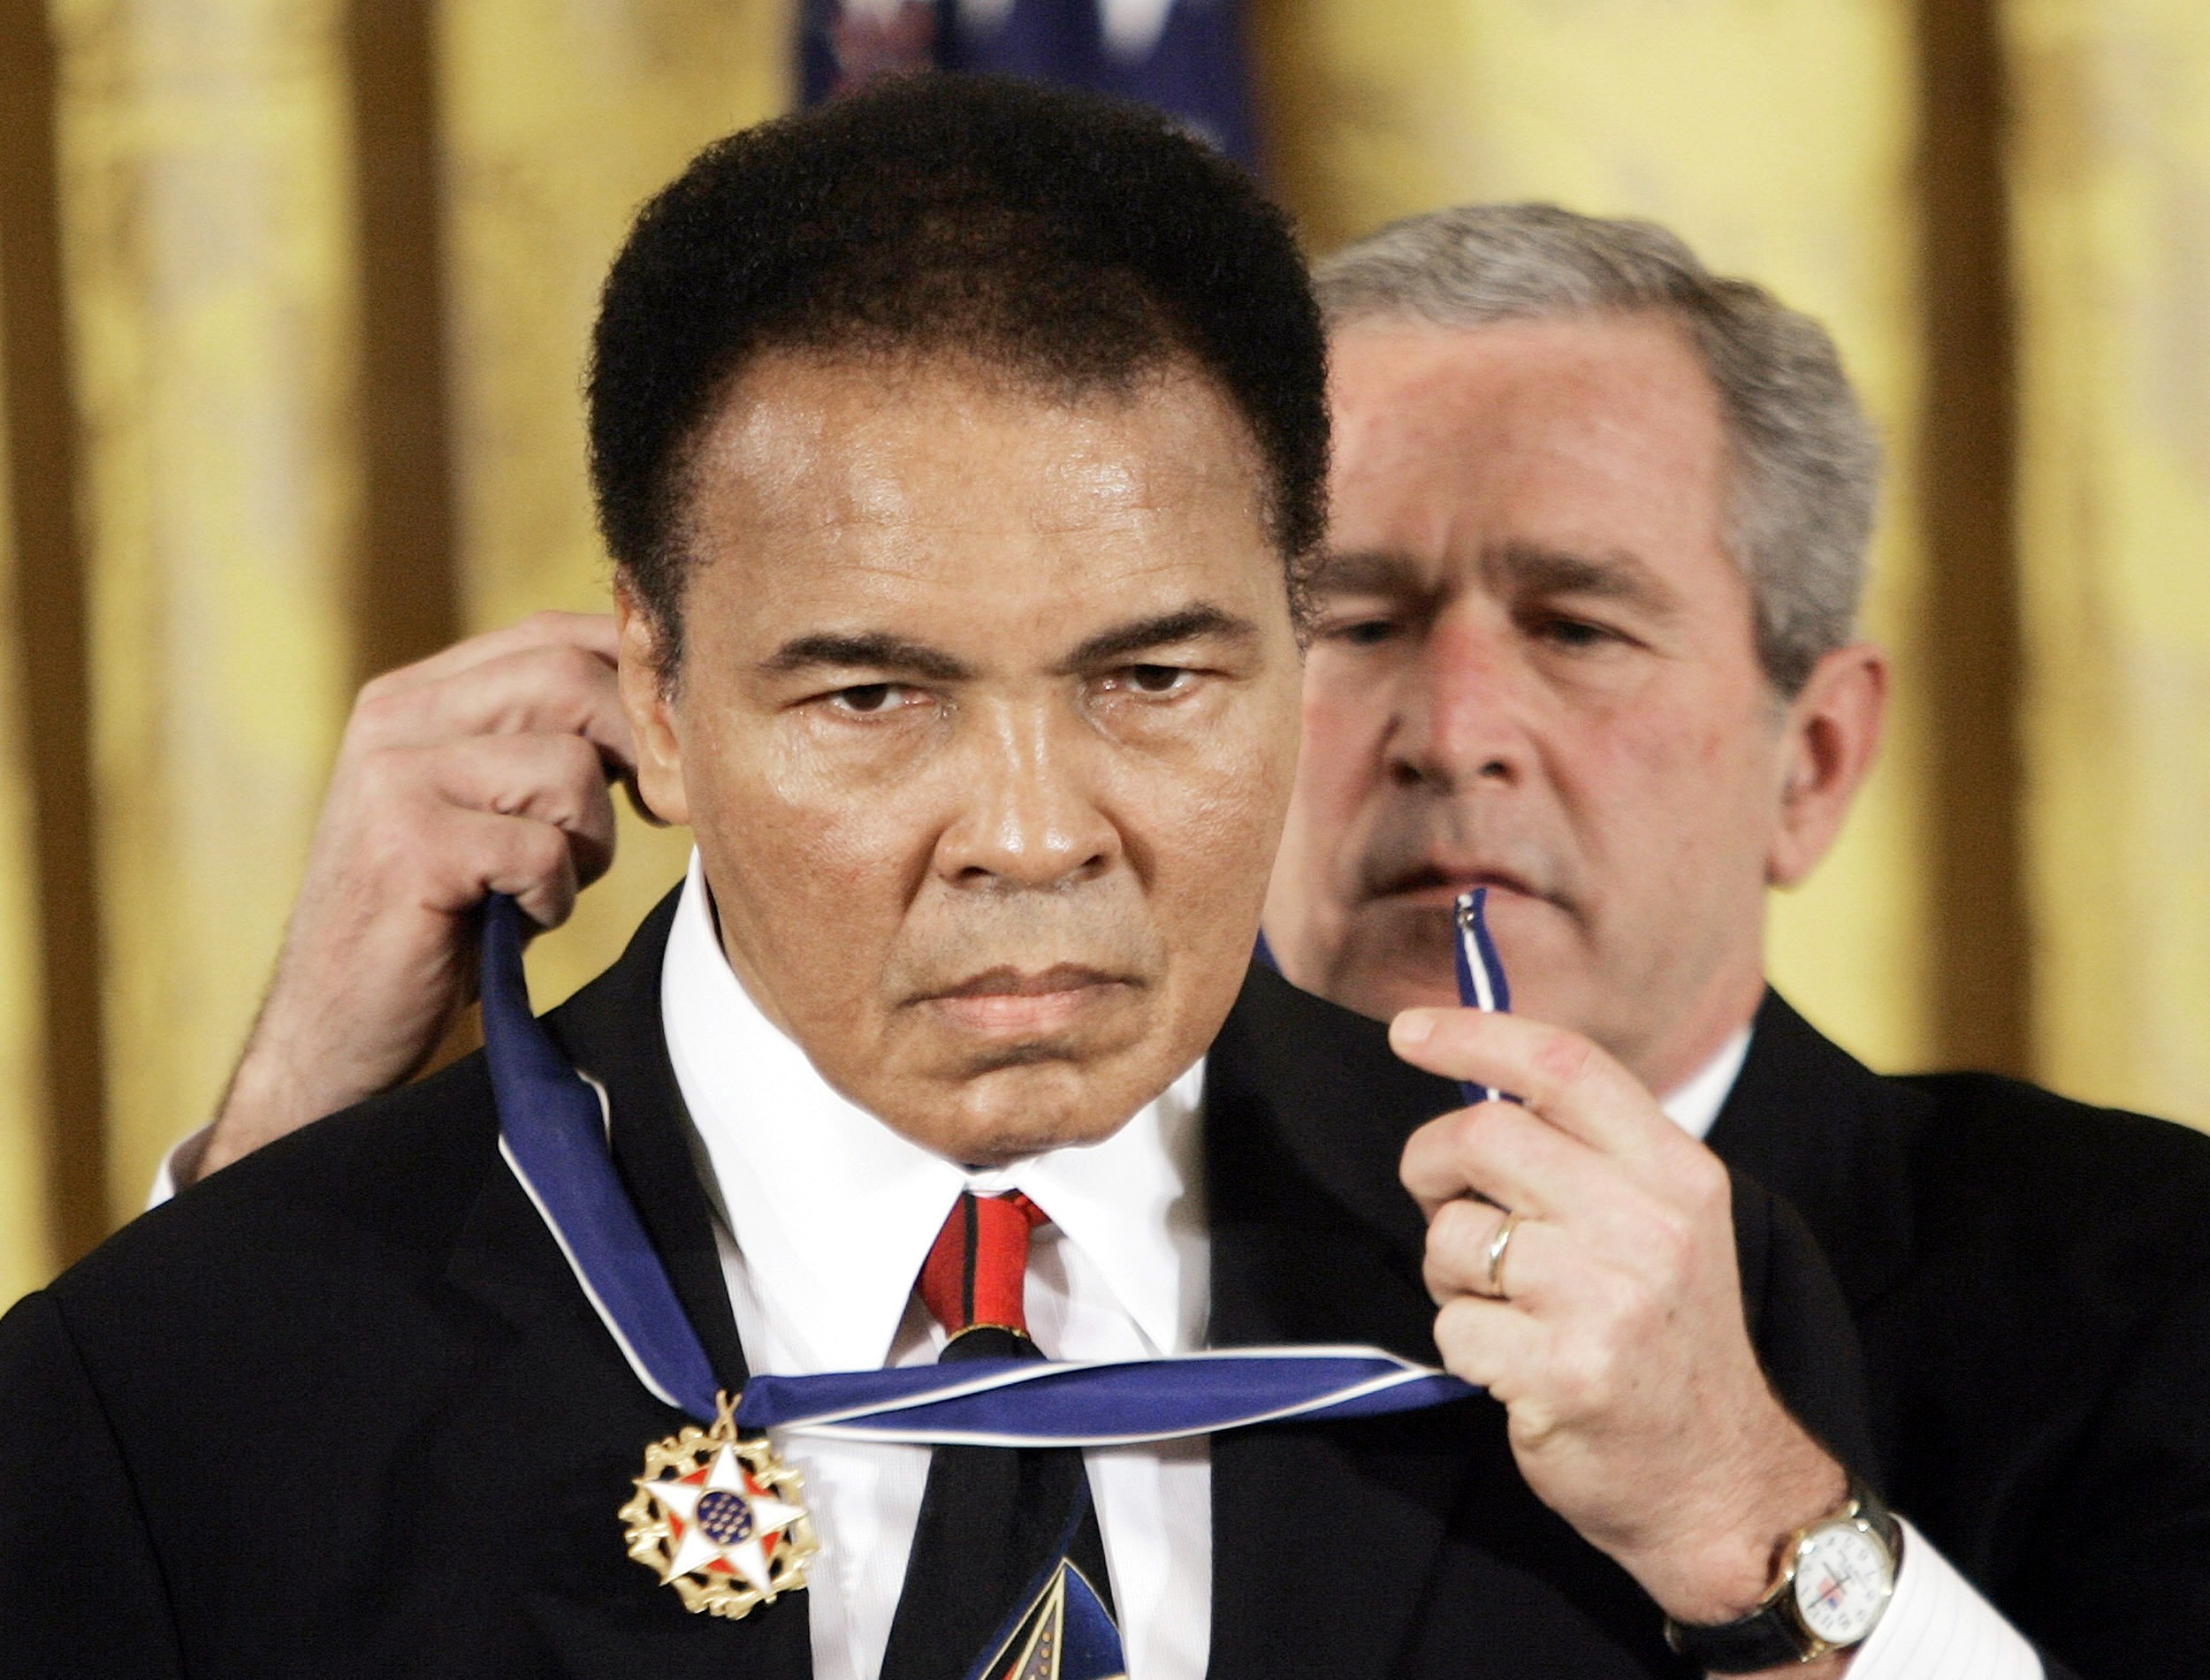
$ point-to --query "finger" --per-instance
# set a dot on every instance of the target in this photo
(533, 863)
(1511, 1156)
(1541, 1264)
(1492, 1345)
(546, 690)
(551, 778)
(1435, 1165)
(593, 633)
(1560, 1075)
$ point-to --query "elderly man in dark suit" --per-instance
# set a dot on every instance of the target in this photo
(961, 448)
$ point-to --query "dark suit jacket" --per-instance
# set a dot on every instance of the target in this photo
(343, 1410)
(2030, 1282)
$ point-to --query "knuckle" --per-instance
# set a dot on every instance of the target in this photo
(1710, 1186)
(1453, 1231)
(378, 707)
(578, 761)
(1563, 1058)
(543, 851)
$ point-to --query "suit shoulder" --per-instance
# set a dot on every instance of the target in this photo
(390, 1178)
(2023, 1131)
(2088, 1194)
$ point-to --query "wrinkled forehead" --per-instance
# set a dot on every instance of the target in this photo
(805, 444)
(840, 483)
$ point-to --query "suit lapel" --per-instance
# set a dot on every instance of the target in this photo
(601, 1612)
(1825, 1133)
(612, 1031)
(1306, 1113)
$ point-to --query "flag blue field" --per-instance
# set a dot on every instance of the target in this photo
(1185, 57)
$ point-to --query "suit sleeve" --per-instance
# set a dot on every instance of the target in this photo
(80, 1591)
(2118, 1568)
(1801, 1326)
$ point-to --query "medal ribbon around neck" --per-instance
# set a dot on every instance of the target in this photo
(553, 1127)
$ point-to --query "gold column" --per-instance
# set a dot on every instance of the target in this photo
(1778, 136)
(560, 119)
(207, 182)
(28, 1249)
(2111, 201)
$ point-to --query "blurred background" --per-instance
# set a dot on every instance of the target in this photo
(293, 299)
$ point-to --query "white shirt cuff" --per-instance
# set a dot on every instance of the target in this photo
(1938, 1625)
(180, 1164)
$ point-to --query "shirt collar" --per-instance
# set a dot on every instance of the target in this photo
(834, 1212)
(1695, 1103)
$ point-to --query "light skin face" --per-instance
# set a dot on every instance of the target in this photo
(986, 722)
(1533, 668)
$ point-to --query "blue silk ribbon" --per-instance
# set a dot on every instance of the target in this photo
(1480, 982)
(553, 1123)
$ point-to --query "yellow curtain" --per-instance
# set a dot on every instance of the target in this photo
(28, 1240)
(326, 267)
(2111, 173)
(205, 170)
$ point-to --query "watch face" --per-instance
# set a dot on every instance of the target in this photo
(1843, 1576)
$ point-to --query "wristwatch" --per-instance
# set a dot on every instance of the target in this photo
(1834, 1578)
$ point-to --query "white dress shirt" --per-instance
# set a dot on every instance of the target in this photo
(836, 1213)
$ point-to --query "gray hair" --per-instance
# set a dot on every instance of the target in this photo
(1806, 465)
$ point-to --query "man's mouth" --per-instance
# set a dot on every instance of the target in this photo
(1006, 1002)
(1438, 885)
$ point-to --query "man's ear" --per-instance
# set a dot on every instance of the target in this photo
(1829, 739)
(645, 697)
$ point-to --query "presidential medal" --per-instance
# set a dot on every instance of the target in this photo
(719, 1519)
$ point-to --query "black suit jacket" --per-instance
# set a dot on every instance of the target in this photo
(342, 1410)
(2030, 1282)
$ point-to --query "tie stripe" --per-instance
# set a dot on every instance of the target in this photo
(977, 1269)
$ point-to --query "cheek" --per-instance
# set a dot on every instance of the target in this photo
(1346, 717)
(1675, 785)
(807, 850)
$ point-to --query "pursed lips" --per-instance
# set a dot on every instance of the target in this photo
(1008, 1002)
(1433, 884)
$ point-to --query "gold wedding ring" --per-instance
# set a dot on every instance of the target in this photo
(1498, 1246)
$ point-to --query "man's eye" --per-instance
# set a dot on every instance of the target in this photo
(868, 697)
(1155, 679)
(1365, 633)
(1150, 679)
(1573, 634)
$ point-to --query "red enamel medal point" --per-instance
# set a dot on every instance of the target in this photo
(720, 1518)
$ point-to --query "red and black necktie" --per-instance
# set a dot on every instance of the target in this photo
(1007, 1578)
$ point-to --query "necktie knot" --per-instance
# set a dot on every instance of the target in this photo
(977, 1270)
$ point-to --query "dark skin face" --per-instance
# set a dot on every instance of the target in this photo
(985, 726)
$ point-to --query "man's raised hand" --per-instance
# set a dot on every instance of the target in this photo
(1637, 1408)
(482, 769)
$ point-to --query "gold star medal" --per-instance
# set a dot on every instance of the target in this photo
(720, 1518)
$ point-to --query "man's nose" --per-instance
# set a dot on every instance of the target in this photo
(1457, 721)
(1028, 816)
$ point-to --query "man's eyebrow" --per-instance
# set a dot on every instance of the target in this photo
(868, 650)
(1613, 575)
(1368, 572)
(1201, 619)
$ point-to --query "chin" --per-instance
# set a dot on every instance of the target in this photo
(1010, 1113)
